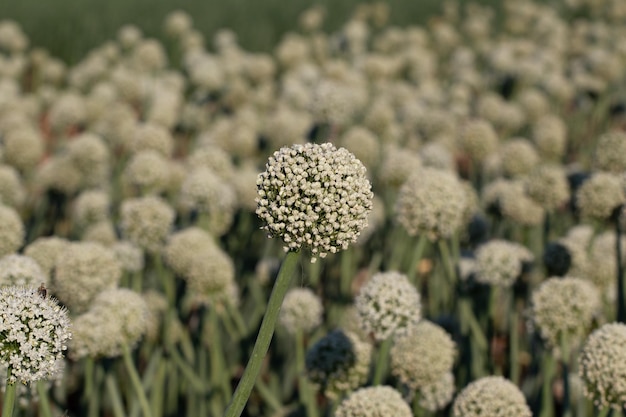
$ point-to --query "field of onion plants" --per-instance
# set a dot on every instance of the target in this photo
(378, 221)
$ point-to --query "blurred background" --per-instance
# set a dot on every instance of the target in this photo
(70, 28)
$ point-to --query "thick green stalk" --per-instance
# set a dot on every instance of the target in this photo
(268, 396)
(136, 382)
(261, 346)
(547, 401)
(347, 271)
(304, 389)
(381, 362)
(8, 403)
(114, 395)
(418, 251)
(44, 402)
(514, 345)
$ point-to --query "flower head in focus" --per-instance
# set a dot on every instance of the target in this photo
(314, 196)
(34, 331)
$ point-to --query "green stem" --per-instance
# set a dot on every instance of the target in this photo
(604, 412)
(418, 251)
(565, 354)
(218, 375)
(44, 402)
(136, 382)
(267, 395)
(197, 383)
(114, 395)
(381, 362)
(8, 403)
(94, 398)
(547, 402)
(261, 346)
(446, 259)
(347, 271)
(514, 345)
(157, 393)
(304, 389)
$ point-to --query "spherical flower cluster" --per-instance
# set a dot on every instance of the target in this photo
(548, 186)
(118, 318)
(90, 207)
(431, 202)
(363, 144)
(177, 23)
(183, 246)
(12, 192)
(600, 195)
(611, 151)
(213, 158)
(129, 255)
(146, 221)
(421, 357)
(59, 173)
(34, 331)
(11, 230)
(314, 196)
(563, 308)
(549, 133)
(491, 396)
(436, 396)
(89, 154)
(301, 311)
(500, 262)
(21, 270)
(515, 204)
(478, 139)
(82, 271)
(244, 185)
(102, 232)
(519, 157)
(339, 363)
(211, 276)
(23, 148)
(147, 173)
(46, 251)
(397, 165)
(154, 137)
(388, 304)
(602, 366)
(374, 401)
(437, 155)
(209, 195)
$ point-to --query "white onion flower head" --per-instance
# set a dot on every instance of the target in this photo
(600, 195)
(208, 194)
(84, 270)
(146, 221)
(564, 308)
(314, 196)
(339, 363)
(210, 276)
(432, 202)
(500, 262)
(375, 401)
(437, 395)
(118, 317)
(183, 246)
(491, 396)
(21, 270)
(11, 230)
(46, 251)
(602, 366)
(422, 356)
(129, 255)
(610, 153)
(301, 310)
(91, 206)
(34, 331)
(388, 304)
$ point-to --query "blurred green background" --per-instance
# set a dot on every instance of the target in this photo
(69, 28)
